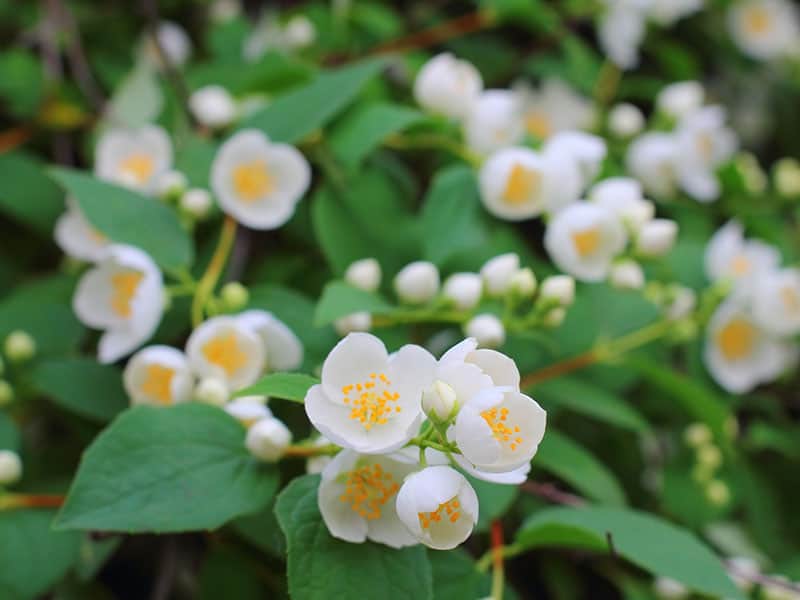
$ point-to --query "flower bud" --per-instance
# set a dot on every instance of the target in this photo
(497, 273)
(523, 283)
(755, 180)
(365, 274)
(268, 439)
(10, 467)
(683, 301)
(697, 435)
(555, 317)
(417, 283)
(359, 321)
(625, 120)
(787, 177)
(6, 392)
(212, 391)
(709, 456)
(718, 492)
(702, 474)
(20, 346)
(627, 275)
(170, 184)
(213, 106)
(248, 410)
(440, 402)
(669, 589)
(657, 237)
(464, 290)
(234, 296)
(679, 99)
(560, 288)
(299, 32)
(197, 203)
(487, 329)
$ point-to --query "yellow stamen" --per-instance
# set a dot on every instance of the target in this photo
(538, 124)
(497, 420)
(123, 288)
(736, 339)
(224, 351)
(449, 508)
(790, 299)
(252, 180)
(586, 241)
(367, 489)
(158, 383)
(371, 404)
(139, 166)
(757, 20)
(740, 265)
(521, 184)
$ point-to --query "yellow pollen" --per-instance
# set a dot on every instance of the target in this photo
(538, 124)
(371, 403)
(736, 339)
(139, 166)
(158, 383)
(449, 508)
(367, 489)
(502, 432)
(740, 265)
(123, 288)
(521, 184)
(705, 145)
(252, 180)
(790, 299)
(586, 241)
(224, 351)
(757, 20)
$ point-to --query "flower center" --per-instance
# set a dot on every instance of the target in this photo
(138, 166)
(123, 288)
(370, 401)
(790, 299)
(367, 489)
(736, 339)
(502, 432)
(538, 124)
(521, 184)
(224, 351)
(449, 508)
(586, 241)
(705, 146)
(252, 180)
(740, 265)
(758, 20)
(158, 383)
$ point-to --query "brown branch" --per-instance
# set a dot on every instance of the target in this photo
(76, 56)
(551, 493)
(560, 368)
(438, 33)
(16, 136)
(11, 501)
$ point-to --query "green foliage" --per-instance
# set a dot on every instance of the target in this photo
(286, 386)
(340, 299)
(28, 196)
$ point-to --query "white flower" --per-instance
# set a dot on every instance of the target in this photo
(299, 32)
(228, 349)
(623, 196)
(554, 107)
(268, 439)
(493, 122)
(417, 282)
(213, 106)
(560, 288)
(464, 290)
(365, 274)
(283, 349)
(627, 275)
(212, 390)
(764, 29)
(669, 589)
(487, 329)
(158, 375)
(439, 401)
(173, 41)
(657, 237)
(77, 237)
(651, 159)
(258, 182)
(586, 150)
(583, 239)
(369, 401)
(625, 120)
(359, 321)
(123, 295)
(729, 256)
(133, 157)
(681, 99)
(248, 410)
(438, 506)
(10, 467)
(448, 86)
(776, 302)
(740, 354)
(621, 31)
(515, 477)
(523, 283)
(498, 272)
(357, 497)
(196, 202)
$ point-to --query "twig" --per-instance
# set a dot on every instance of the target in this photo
(438, 33)
(550, 492)
(498, 568)
(11, 501)
(560, 368)
(209, 279)
(169, 568)
(174, 76)
(76, 56)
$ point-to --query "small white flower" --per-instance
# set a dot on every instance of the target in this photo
(586, 150)
(259, 182)
(764, 29)
(623, 196)
(133, 157)
(523, 283)
(365, 274)
(448, 86)
(498, 272)
(158, 375)
(625, 120)
(283, 349)
(583, 239)
(123, 295)
(487, 329)
(355, 322)
(417, 282)
(464, 290)
(621, 31)
(299, 32)
(627, 275)
(493, 122)
(776, 302)
(268, 439)
(174, 42)
(681, 99)
(651, 159)
(669, 589)
(10, 467)
(248, 410)
(19, 346)
(369, 401)
(560, 288)
(213, 106)
(729, 256)
(438, 506)
(357, 496)
(197, 203)
(439, 401)
(657, 237)
(554, 107)
(212, 390)
(170, 184)
(226, 348)
(77, 237)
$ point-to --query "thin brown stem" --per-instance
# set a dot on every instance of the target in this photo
(551, 493)
(560, 368)
(438, 33)
(11, 501)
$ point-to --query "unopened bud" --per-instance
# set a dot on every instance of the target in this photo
(656, 237)
(197, 203)
(213, 106)
(6, 392)
(20, 346)
(697, 435)
(299, 32)
(523, 283)
(718, 492)
(487, 329)
(10, 467)
(560, 288)
(440, 401)
(360, 321)
(170, 184)
(268, 439)
(787, 177)
(709, 456)
(417, 283)
(365, 274)
(625, 120)
(248, 410)
(627, 275)
(212, 391)
(555, 317)
(234, 295)
(498, 272)
(669, 589)
(464, 290)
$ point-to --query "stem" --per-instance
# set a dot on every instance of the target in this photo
(437, 34)
(209, 279)
(309, 451)
(607, 82)
(11, 501)
(498, 570)
(399, 141)
(551, 493)
(16, 136)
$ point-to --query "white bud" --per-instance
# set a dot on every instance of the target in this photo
(683, 302)
(6, 392)
(365, 274)
(268, 439)
(197, 203)
(627, 275)
(487, 329)
(787, 177)
(439, 401)
(523, 283)
(669, 589)
(709, 456)
(222, 11)
(559, 287)
(234, 295)
(755, 180)
(10, 467)
(464, 290)
(248, 410)
(170, 184)
(697, 435)
(19, 346)
(299, 32)
(497, 273)
(638, 214)
(657, 237)
(213, 106)
(718, 492)
(625, 120)
(417, 282)
(555, 317)
(360, 321)
(212, 390)
(680, 99)
(743, 570)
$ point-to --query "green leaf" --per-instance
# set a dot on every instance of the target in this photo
(361, 132)
(455, 576)
(194, 159)
(647, 541)
(162, 469)
(83, 386)
(128, 217)
(21, 81)
(321, 567)
(9, 434)
(27, 195)
(494, 499)
(568, 460)
(340, 299)
(286, 386)
(296, 114)
(34, 557)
